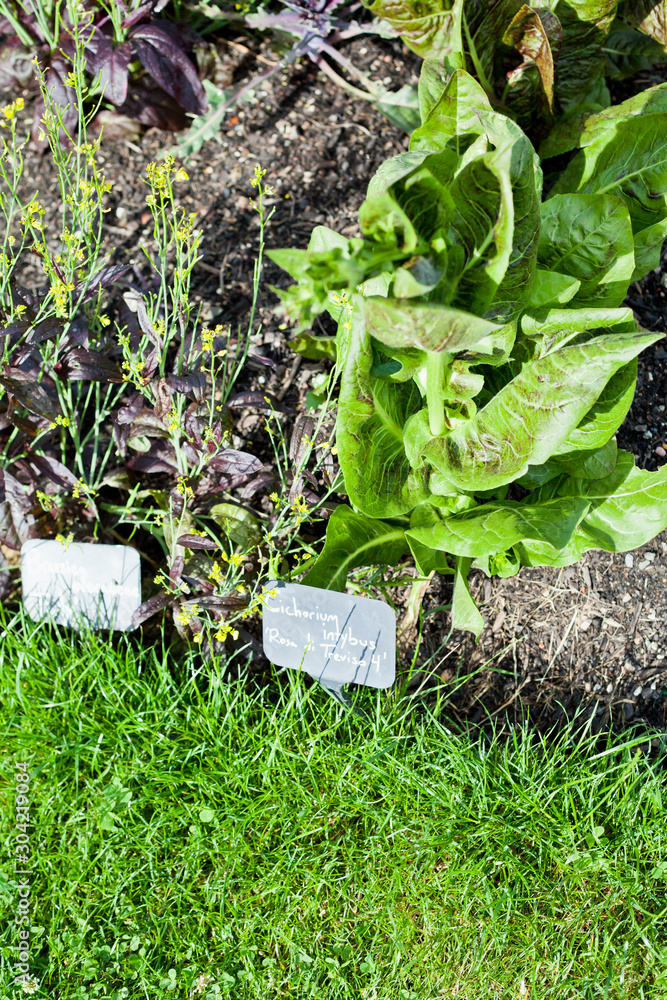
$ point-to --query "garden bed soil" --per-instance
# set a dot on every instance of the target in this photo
(589, 638)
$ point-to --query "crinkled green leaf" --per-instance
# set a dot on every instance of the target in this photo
(648, 245)
(382, 219)
(428, 326)
(628, 52)
(591, 464)
(628, 509)
(627, 159)
(427, 559)
(369, 434)
(552, 289)
(494, 527)
(547, 330)
(395, 169)
(605, 415)
(584, 128)
(529, 418)
(313, 348)
(452, 114)
(589, 237)
(353, 540)
(502, 564)
(428, 27)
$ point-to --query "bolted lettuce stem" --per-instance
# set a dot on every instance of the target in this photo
(437, 364)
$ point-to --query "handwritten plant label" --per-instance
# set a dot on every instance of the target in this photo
(81, 585)
(336, 638)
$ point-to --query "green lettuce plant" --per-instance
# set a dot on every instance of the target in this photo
(538, 64)
(485, 357)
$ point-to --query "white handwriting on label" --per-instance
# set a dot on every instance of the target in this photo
(331, 649)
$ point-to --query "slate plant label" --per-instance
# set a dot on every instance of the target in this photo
(81, 585)
(334, 637)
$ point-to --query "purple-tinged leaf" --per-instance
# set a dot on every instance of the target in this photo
(53, 470)
(176, 570)
(131, 410)
(15, 517)
(29, 392)
(160, 458)
(78, 331)
(148, 424)
(151, 607)
(197, 542)
(152, 106)
(263, 400)
(113, 69)
(104, 60)
(197, 584)
(48, 329)
(88, 366)
(145, 323)
(190, 384)
(29, 427)
(162, 399)
(103, 278)
(262, 481)
(169, 66)
(236, 467)
(217, 603)
(22, 296)
(261, 359)
(113, 125)
(15, 64)
(13, 333)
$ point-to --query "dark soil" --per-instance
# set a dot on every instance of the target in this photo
(587, 638)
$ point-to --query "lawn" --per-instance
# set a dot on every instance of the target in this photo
(194, 835)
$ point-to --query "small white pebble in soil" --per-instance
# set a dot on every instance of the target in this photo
(661, 451)
(664, 546)
(649, 556)
(597, 687)
(626, 598)
(610, 688)
(629, 560)
(637, 691)
(644, 564)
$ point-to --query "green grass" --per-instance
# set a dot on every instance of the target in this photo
(184, 825)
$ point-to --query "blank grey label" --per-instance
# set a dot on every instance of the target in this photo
(334, 637)
(81, 585)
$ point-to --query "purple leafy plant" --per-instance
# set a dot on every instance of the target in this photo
(112, 41)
